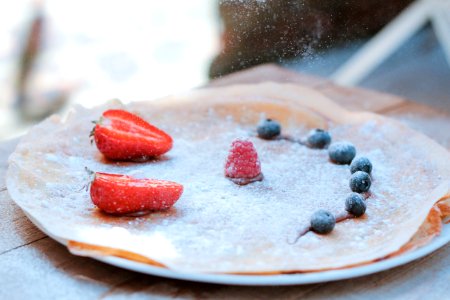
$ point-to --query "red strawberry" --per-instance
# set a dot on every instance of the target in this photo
(121, 194)
(243, 162)
(121, 135)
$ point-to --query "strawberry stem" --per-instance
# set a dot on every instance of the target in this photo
(92, 133)
(91, 175)
(89, 171)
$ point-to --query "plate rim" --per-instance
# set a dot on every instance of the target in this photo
(268, 280)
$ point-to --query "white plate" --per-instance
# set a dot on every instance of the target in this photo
(288, 279)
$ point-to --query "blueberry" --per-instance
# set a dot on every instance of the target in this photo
(355, 204)
(318, 138)
(360, 182)
(322, 222)
(268, 129)
(361, 164)
(342, 152)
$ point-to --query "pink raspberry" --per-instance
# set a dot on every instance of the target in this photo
(242, 161)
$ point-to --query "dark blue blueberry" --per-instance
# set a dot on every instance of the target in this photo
(322, 222)
(342, 152)
(268, 129)
(360, 182)
(318, 138)
(361, 164)
(355, 204)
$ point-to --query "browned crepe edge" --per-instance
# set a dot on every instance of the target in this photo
(444, 207)
(83, 249)
(428, 230)
(325, 109)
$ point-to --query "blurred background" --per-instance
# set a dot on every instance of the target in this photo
(57, 53)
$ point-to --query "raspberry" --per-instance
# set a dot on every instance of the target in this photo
(242, 161)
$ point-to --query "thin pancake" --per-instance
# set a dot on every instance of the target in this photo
(217, 226)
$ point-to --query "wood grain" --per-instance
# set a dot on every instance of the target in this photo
(33, 266)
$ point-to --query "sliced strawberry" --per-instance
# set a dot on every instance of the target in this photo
(121, 194)
(121, 135)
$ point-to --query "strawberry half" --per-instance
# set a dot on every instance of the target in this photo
(121, 194)
(121, 135)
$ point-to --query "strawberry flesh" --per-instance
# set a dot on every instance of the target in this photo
(122, 135)
(124, 195)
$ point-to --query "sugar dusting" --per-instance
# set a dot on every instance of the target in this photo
(218, 221)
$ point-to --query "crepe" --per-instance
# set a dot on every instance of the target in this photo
(218, 226)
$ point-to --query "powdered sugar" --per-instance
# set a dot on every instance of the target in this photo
(217, 225)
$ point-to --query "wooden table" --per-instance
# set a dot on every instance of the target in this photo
(34, 266)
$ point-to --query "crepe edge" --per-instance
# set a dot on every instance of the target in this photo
(431, 228)
(442, 206)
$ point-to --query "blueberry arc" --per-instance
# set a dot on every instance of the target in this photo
(360, 182)
(318, 139)
(354, 204)
(268, 129)
(361, 164)
(342, 152)
(322, 222)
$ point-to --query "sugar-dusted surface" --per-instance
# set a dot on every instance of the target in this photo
(218, 226)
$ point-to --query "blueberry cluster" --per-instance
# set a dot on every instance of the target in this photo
(343, 153)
